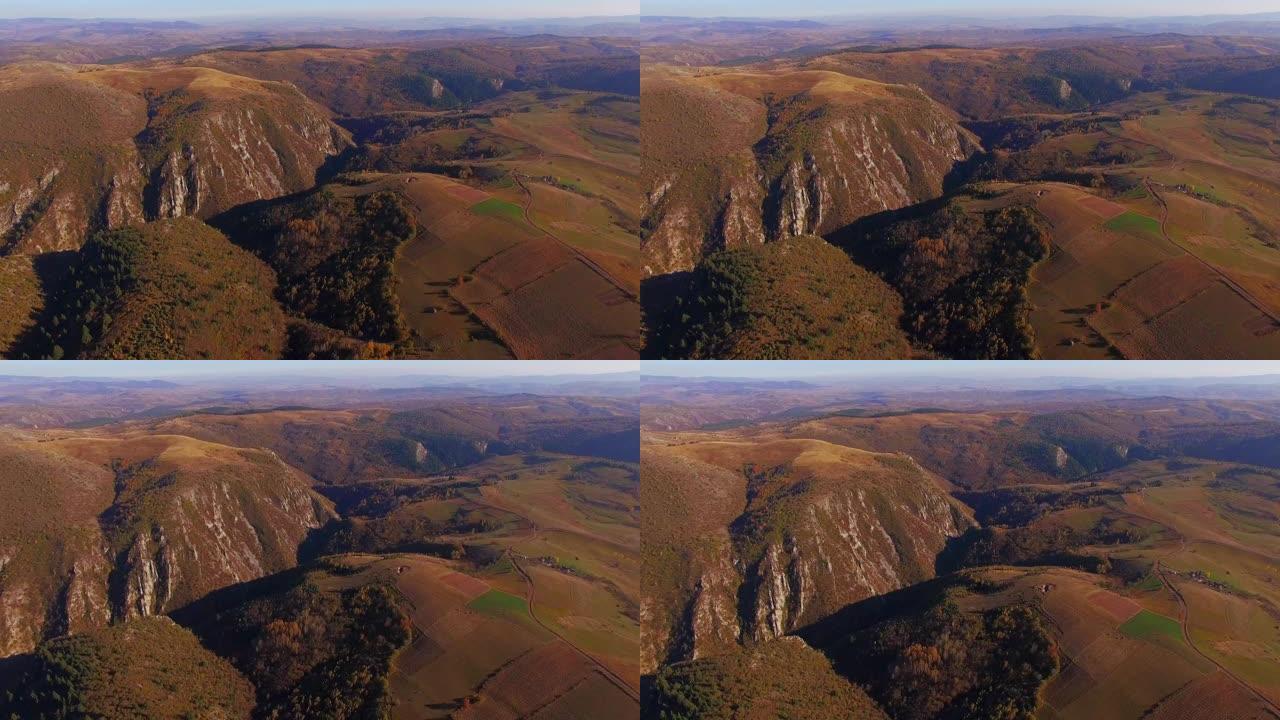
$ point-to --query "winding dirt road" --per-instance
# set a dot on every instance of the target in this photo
(1184, 613)
(596, 267)
(610, 675)
(1226, 279)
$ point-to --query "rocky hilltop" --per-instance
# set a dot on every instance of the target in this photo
(91, 147)
(734, 158)
(750, 540)
(106, 529)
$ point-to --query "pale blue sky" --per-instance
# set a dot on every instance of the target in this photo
(1106, 369)
(497, 9)
(353, 369)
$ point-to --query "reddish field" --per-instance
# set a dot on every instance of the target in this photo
(467, 585)
(570, 313)
(1211, 697)
(1118, 606)
(533, 680)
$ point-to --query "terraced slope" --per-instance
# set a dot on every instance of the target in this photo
(485, 277)
(1165, 243)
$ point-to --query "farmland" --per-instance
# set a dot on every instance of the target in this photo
(1149, 180)
(530, 257)
(455, 554)
(502, 155)
(1130, 574)
(1139, 272)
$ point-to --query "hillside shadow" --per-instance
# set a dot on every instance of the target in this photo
(13, 674)
(824, 634)
(238, 222)
(204, 616)
(648, 698)
(51, 274)
(657, 297)
(335, 165)
(856, 238)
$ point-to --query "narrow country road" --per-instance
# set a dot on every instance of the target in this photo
(1228, 281)
(1184, 612)
(1184, 620)
(606, 672)
(531, 532)
(596, 267)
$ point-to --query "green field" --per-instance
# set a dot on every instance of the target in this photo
(496, 602)
(1150, 583)
(494, 207)
(1134, 223)
(1147, 625)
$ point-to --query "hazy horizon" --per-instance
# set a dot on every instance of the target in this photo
(817, 10)
(504, 10)
(352, 369)
(959, 369)
(1003, 9)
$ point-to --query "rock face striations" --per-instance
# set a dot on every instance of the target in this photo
(752, 540)
(107, 529)
(734, 158)
(87, 148)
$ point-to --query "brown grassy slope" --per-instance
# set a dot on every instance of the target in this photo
(688, 507)
(990, 83)
(357, 81)
(22, 298)
(743, 156)
(172, 289)
(797, 298)
(348, 446)
(780, 678)
(143, 668)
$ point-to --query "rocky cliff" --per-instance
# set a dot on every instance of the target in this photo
(108, 528)
(734, 158)
(788, 531)
(89, 147)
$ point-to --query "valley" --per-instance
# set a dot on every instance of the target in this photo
(470, 198)
(1077, 193)
(466, 553)
(1076, 551)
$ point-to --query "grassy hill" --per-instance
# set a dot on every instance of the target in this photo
(737, 157)
(755, 538)
(148, 668)
(781, 678)
(172, 289)
(362, 81)
(795, 298)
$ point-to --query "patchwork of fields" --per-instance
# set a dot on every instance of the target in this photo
(1182, 264)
